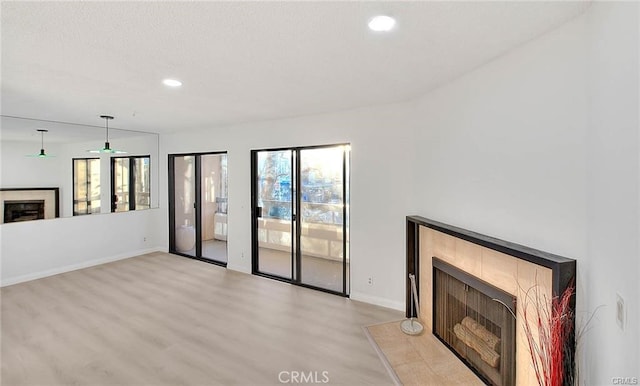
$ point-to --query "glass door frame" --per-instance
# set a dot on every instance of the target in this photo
(197, 206)
(296, 223)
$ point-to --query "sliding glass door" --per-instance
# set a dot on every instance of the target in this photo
(213, 210)
(275, 199)
(198, 206)
(300, 216)
(323, 261)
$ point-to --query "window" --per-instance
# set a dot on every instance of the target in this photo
(86, 186)
(320, 180)
(130, 183)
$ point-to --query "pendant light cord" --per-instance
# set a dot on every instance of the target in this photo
(106, 142)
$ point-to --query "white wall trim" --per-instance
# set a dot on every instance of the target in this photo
(378, 301)
(239, 268)
(77, 266)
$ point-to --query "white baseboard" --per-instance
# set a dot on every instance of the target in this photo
(74, 267)
(239, 268)
(378, 301)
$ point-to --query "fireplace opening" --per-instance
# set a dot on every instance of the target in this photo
(24, 210)
(476, 321)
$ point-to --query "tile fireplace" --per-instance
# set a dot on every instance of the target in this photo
(468, 287)
(26, 204)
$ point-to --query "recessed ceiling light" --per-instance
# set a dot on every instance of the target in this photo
(382, 23)
(172, 82)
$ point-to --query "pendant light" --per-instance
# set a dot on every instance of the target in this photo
(42, 153)
(107, 147)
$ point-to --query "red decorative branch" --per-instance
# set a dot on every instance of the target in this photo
(550, 335)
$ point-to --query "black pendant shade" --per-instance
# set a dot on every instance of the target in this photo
(42, 153)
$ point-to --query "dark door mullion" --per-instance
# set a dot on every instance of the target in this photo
(297, 218)
(88, 209)
(197, 205)
(344, 222)
(132, 183)
(112, 168)
(254, 211)
(294, 275)
(172, 204)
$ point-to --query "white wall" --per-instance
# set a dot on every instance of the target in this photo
(613, 188)
(381, 161)
(34, 249)
(19, 171)
(540, 147)
(40, 248)
(503, 147)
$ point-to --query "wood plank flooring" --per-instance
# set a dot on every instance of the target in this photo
(160, 319)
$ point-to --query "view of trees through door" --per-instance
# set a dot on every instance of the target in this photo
(300, 210)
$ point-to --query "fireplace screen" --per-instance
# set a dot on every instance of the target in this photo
(471, 317)
(15, 211)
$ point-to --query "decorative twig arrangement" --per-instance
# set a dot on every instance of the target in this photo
(549, 328)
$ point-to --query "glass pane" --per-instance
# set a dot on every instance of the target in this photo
(274, 185)
(80, 208)
(322, 205)
(93, 194)
(86, 186)
(143, 183)
(120, 199)
(213, 183)
(185, 216)
(79, 186)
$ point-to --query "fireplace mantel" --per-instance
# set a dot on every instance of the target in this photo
(563, 268)
(510, 267)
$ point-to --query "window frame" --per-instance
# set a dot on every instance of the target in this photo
(132, 182)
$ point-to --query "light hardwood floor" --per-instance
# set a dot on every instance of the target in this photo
(160, 319)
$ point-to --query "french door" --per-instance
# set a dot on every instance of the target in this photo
(198, 206)
(300, 216)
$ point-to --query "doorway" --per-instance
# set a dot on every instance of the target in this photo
(300, 216)
(198, 197)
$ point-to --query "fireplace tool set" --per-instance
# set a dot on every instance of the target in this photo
(412, 326)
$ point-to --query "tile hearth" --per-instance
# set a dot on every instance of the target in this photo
(422, 359)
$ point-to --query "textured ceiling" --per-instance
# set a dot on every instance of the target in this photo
(245, 61)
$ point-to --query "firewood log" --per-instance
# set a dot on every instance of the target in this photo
(481, 332)
(488, 355)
